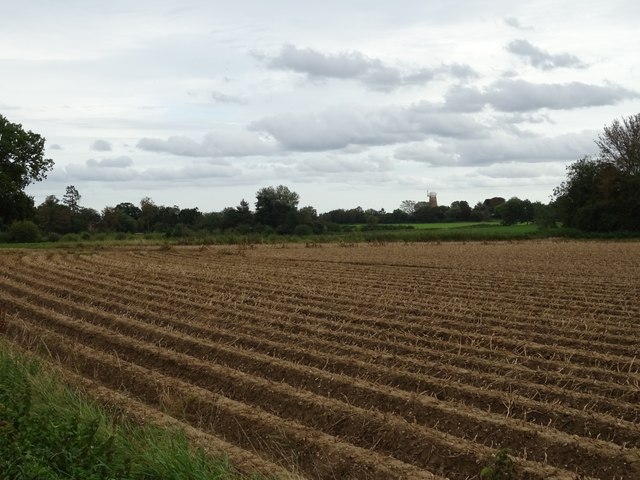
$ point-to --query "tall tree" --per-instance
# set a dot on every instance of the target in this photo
(408, 206)
(603, 193)
(273, 205)
(22, 162)
(71, 198)
(52, 216)
(619, 144)
(148, 214)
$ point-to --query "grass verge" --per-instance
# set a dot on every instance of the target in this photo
(49, 431)
(436, 232)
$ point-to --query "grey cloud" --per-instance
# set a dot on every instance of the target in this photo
(515, 23)
(461, 71)
(341, 164)
(176, 145)
(54, 146)
(522, 96)
(542, 59)
(525, 117)
(317, 64)
(426, 153)
(464, 99)
(521, 170)
(339, 128)
(188, 172)
(89, 173)
(117, 162)
(101, 146)
(372, 72)
(220, 97)
(512, 22)
(217, 144)
(500, 148)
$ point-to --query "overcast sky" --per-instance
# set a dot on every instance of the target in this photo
(201, 103)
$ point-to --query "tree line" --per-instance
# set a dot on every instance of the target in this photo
(601, 193)
(276, 212)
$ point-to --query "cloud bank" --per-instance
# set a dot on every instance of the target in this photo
(354, 65)
(515, 95)
(236, 143)
(101, 146)
(542, 59)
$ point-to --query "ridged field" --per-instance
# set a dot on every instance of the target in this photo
(355, 361)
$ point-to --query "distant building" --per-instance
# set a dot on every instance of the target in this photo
(433, 201)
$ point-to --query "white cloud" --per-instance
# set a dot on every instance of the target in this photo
(386, 93)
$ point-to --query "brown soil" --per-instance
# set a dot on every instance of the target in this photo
(412, 361)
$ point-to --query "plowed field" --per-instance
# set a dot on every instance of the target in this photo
(355, 361)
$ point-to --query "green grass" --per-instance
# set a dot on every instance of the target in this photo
(421, 232)
(439, 225)
(49, 431)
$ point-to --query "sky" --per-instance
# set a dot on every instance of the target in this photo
(348, 103)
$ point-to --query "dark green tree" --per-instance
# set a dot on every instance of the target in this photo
(130, 209)
(492, 203)
(71, 198)
(22, 162)
(408, 206)
(53, 216)
(481, 212)
(148, 214)
(244, 216)
(116, 220)
(597, 196)
(619, 145)
(273, 205)
(23, 231)
(189, 216)
(239, 216)
(603, 193)
(514, 211)
(459, 211)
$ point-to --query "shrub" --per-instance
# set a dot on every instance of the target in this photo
(70, 237)
(502, 467)
(53, 237)
(23, 231)
(303, 230)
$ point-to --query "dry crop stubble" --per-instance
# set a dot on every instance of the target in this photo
(358, 361)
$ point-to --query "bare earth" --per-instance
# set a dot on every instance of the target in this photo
(355, 361)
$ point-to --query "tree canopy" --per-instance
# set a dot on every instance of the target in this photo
(22, 162)
(619, 144)
(603, 193)
(275, 204)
